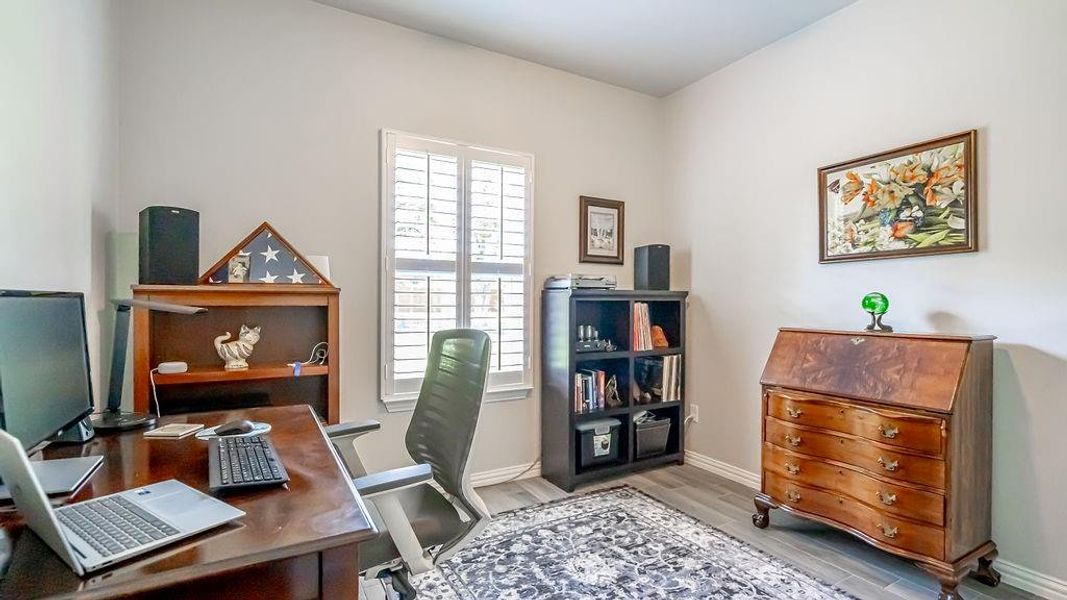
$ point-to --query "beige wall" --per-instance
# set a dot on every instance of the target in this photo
(251, 110)
(56, 155)
(743, 148)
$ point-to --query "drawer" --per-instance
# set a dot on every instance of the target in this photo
(920, 433)
(851, 450)
(892, 498)
(878, 525)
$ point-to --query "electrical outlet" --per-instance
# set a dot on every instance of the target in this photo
(694, 412)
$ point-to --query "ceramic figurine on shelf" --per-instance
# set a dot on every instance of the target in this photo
(236, 353)
(611, 393)
(876, 304)
(659, 337)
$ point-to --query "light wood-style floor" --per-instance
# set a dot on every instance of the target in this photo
(832, 556)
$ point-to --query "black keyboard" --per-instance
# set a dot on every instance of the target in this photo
(113, 524)
(240, 462)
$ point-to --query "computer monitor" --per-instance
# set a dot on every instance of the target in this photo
(45, 385)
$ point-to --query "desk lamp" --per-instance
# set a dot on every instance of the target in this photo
(113, 418)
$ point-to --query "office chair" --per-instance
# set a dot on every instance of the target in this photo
(421, 525)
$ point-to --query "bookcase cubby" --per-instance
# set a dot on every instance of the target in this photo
(611, 313)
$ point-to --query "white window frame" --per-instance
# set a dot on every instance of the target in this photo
(507, 385)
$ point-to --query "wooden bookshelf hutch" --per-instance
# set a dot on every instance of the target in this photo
(293, 319)
(611, 313)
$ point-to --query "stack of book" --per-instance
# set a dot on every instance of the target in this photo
(642, 333)
(658, 379)
(589, 391)
(672, 380)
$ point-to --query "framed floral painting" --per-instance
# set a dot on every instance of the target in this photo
(911, 201)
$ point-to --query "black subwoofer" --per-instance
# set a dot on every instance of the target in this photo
(652, 267)
(169, 246)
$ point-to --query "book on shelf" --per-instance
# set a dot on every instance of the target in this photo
(589, 390)
(658, 379)
(641, 338)
(673, 380)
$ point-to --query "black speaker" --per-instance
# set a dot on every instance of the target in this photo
(169, 245)
(652, 267)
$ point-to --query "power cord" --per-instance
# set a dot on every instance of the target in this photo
(319, 352)
(152, 378)
(524, 471)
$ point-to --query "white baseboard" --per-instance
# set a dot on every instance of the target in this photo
(735, 474)
(1012, 574)
(494, 476)
(1031, 581)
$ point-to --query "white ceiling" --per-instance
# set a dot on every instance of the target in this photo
(652, 46)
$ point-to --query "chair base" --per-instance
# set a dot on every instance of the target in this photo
(398, 580)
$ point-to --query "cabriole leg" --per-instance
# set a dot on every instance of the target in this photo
(762, 518)
(985, 573)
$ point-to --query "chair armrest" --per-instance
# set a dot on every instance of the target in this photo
(352, 428)
(393, 479)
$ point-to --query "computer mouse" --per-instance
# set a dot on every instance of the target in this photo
(235, 427)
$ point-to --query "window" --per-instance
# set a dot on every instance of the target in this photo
(456, 241)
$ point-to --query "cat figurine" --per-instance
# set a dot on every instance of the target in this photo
(235, 352)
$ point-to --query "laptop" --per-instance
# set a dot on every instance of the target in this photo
(96, 533)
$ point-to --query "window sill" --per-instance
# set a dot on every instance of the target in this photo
(406, 402)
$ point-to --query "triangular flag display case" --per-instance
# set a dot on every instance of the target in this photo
(264, 257)
(278, 290)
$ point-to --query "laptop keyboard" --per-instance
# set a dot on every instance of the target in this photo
(113, 524)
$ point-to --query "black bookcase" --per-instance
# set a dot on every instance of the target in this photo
(611, 313)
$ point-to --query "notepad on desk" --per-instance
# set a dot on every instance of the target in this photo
(174, 431)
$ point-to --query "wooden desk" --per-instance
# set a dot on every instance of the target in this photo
(299, 542)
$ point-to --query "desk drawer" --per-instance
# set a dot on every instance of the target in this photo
(875, 524)
(889, 497)
(856, 451)
(915, 432)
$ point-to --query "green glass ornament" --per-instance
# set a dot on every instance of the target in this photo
(876, 304)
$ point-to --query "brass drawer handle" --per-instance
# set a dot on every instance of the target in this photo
(888, 465)
(888, 432)
(887, 498)
(792, 468)
(887, 531)
(793, 495)
(794, 412)
(793, 440)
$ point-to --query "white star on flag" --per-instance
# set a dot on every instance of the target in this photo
(270, 254)
(269, 278)
(296, 277)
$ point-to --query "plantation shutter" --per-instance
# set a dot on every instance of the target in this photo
(425, 230)
(456, 239)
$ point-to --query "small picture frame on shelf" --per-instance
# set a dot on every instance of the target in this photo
(237, 268)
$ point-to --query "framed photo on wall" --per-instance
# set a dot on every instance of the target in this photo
(912, 201)
(601, 227)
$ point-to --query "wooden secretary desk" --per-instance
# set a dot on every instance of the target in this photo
(888, 437)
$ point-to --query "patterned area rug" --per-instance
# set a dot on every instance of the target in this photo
(615, 543)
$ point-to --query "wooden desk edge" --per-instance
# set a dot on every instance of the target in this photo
(164, 579)
(344, 471)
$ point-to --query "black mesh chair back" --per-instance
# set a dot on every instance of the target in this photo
(442, 426)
